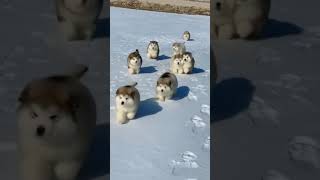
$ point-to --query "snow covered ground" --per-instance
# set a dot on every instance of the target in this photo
(268, 93)
(167, 140)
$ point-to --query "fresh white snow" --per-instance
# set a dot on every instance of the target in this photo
(168, 140)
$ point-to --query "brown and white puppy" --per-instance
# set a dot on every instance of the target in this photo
(186, 36)
(176, 65)
(56, 121)
(77, 18)
(134, 62)
(166, 86)
(188, 62)
(153, 50)
(127, 103)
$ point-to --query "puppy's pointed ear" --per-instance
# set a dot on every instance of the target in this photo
(24, 95)
(137, 51)
(117, 92)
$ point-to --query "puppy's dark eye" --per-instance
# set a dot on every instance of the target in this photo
(53, 117)
(34, 115)
(120, 97)
(127, 98)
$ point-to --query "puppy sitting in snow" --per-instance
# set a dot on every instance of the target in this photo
(127, 103)
(56, 121)
(134, 62)
(177, 64)
(188, 62)
(153, 50)
(242, 18)
(166, 86)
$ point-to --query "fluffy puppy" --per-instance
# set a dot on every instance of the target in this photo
(239, 18)
(134, 62)
(56, 121)
(77, 18)
(166, 86)
(186, 36)
(177, 64)
(153, 50)
(127, 103)
(188, 62)
(178, 48)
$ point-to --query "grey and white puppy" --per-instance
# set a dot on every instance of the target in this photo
(134, 62)
(176, 64)
(153, 50)
(77, 18)
(56, 121)
(166, 86)
(188, 62)
(186, 36)
(178, 48)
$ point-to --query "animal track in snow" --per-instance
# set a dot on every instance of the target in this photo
(192, 96)
(186, 161)
(274, 175)
(206, 144)
(267, 55)
(197, 123)
(304, 149)
(205, 109)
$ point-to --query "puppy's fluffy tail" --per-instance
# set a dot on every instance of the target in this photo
(78, 71)
(134, 84)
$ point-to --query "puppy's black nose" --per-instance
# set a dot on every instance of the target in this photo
(178, 63)
(122, 103)
(161, 90)
(218, 5)
(41, 130)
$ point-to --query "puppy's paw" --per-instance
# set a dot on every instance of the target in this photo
(245, 29)
(67, 170)
(131, 115)
(130, 70)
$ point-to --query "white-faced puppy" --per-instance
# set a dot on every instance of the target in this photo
(250, 16)
(134, 62)
(188, 62)
(166, 86)
(127, 103)
(239, 18)
(186, 36)
(56, 121)
(177, 64)
(77, 18)
(178, 48)
(222, 19)
(153, 50)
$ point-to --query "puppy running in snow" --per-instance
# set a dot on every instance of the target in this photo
(153, 50)
(188, 62)
(56, 121)
(134, 62)
(186, 36)
(177, 64)
(127, 103)
(77, 18)
(166, 86)
(178, 48)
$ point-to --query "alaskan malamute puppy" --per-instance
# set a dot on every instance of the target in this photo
(178, 48)
(134, 62)
(127, 103)
(166, 86)
(186, 36)
(77, 18)
(177, 64)
(56, 121)
(153, 50)
(188, 62)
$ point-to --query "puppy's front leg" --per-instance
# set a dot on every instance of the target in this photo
(131, 70)
(67, 170)
(131, 115)
(121, 117)
(161, 98)
(226, 32)
(180, 71)
(34, 169)
(244, 29)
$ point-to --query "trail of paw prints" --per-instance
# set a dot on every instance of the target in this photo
(274, 175)
(260, 113)
(206, 144)
(187, 160)
(192, 96)
(205, 109)
(304, 150)
(267, 55)
(200, 88)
